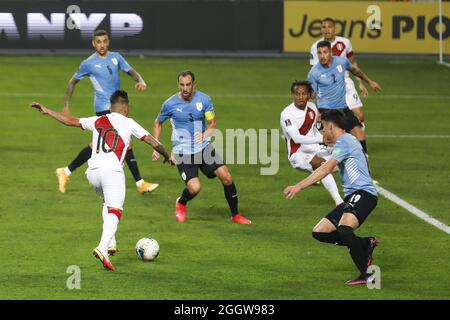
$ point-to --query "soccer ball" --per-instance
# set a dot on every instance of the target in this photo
(147, 249)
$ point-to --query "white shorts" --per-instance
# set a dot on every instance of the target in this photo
(109, 185)
(302, 158)
(351, 95)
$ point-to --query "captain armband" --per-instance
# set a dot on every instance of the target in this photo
(209, 115)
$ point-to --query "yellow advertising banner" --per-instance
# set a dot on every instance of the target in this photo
(371, 26)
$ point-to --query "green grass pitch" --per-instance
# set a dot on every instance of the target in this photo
(43, 232)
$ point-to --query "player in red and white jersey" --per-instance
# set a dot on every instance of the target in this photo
(304, 141)
(111, 137)
(342, 47)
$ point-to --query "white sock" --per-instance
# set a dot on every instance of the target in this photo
(113, 242)
(110, 222)
(329, 184)
(67, 171)
(138, 183)
(104, 212)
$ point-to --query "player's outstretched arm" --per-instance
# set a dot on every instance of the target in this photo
(64, 118)
(360, 74)
(140, 83)
(159, 148)
(69, 92)
(157, 128)
(318, 174)
(364, 92)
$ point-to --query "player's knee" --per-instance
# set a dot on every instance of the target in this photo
(194, 188)
(362, 119)
(227, 180)
(358, 133)
(357, 112)
(224, 175)
(317, 229)
(316, 162)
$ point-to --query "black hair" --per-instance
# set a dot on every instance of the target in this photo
(100, 32)
(329, 20)
(302, 83)
(336, 116)
(119, 96)
(185, 74)
(324, 43)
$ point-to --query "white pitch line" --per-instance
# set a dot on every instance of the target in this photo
(409, 136)
(443, 63)
(415, 211)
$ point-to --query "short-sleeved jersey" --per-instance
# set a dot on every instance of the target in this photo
(187, 118)
(104, 75)
(353, 166)
(340, 47)
(301, 121)
(111, 138)
(329, 83)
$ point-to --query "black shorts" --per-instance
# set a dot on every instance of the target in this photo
(206, 160)
(360, 203)
(351, 120)
(102, 113)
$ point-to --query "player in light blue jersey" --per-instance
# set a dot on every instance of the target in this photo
(360, 195)
(328, 82)
(102, 68)
(103, 71)
(191, 113)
